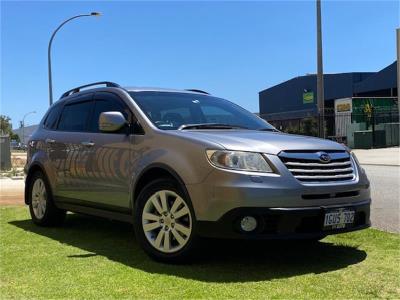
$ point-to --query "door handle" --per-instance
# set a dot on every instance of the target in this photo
(50, 141)
(87, 144)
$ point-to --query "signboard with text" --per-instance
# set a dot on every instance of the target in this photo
(308, 97)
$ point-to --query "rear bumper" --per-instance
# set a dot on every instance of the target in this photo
(283, 223)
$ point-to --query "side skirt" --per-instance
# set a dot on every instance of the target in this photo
(94, 211)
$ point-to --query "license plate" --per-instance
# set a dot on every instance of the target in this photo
(339, 218)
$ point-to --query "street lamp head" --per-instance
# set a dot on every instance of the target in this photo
(94, 14)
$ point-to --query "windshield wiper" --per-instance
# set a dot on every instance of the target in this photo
(268, 129)
(210, 126)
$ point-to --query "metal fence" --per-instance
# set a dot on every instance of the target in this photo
(5, 153)
(370, 129)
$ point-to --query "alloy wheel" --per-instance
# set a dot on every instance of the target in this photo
(167, 221)
(39, 198)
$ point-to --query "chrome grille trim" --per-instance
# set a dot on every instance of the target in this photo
(308, 168)
(321, 170)
(346, 163)
(321, 177)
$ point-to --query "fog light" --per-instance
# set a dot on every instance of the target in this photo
(248, 223)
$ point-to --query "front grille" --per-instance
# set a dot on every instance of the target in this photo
(309, 167)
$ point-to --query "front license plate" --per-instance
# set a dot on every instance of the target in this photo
(340, 218)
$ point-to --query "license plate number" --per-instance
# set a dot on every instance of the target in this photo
(338, 219)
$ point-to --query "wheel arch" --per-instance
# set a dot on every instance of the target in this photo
(153, 172)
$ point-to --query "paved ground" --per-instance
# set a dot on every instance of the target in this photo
(11, 191)
(385, 189)
(383, 156)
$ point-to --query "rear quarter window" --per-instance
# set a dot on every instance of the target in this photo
(50, 122)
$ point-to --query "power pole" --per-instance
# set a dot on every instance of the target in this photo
(320, 75)
(22, 132)
(398, 67)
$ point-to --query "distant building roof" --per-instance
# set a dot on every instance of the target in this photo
(382, 80)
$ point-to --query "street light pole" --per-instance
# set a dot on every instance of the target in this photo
(49, 49)
(320, 75)
(23, 125)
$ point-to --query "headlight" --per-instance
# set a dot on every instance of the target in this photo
(239, 160)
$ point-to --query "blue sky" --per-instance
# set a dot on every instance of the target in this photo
(231, 49)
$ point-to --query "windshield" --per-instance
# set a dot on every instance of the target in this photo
(170, 111)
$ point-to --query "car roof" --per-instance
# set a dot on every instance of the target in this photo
(156, 89)
(129, 89)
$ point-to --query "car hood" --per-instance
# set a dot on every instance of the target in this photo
(260, 141)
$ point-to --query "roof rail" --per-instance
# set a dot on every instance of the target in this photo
(78, 89)
(197, 91)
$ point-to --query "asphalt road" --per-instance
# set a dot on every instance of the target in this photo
(385, 190)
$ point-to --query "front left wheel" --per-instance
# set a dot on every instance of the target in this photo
(165, 222)
(41, 207)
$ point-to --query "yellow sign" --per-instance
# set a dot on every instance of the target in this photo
(342, 107)
(308, 97)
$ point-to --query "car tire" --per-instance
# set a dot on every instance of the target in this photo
(165, 223)
(41, 206)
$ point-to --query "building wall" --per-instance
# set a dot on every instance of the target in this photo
(286, 99)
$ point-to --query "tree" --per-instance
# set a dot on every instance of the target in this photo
(15, 137)
(6, 128)
(5, 125)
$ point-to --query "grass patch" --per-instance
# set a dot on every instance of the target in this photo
(95, 258)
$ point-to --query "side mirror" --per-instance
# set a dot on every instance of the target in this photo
(111, 121)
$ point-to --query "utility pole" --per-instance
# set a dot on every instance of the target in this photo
(320, 75)
(398, 67)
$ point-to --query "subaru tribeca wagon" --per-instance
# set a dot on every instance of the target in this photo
(181, 165)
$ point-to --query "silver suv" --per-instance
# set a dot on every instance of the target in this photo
(181, 165)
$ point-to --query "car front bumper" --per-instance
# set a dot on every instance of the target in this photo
(283, 222)
(223, 191)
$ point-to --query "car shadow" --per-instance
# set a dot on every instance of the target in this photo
(217, 261)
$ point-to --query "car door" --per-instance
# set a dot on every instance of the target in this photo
(68, 154)
(110, 157)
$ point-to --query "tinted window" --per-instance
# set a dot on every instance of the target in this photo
(52, 117)
(107, 102)
(75, 116)
(176, 115)
(169, 111)
(214, 114)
